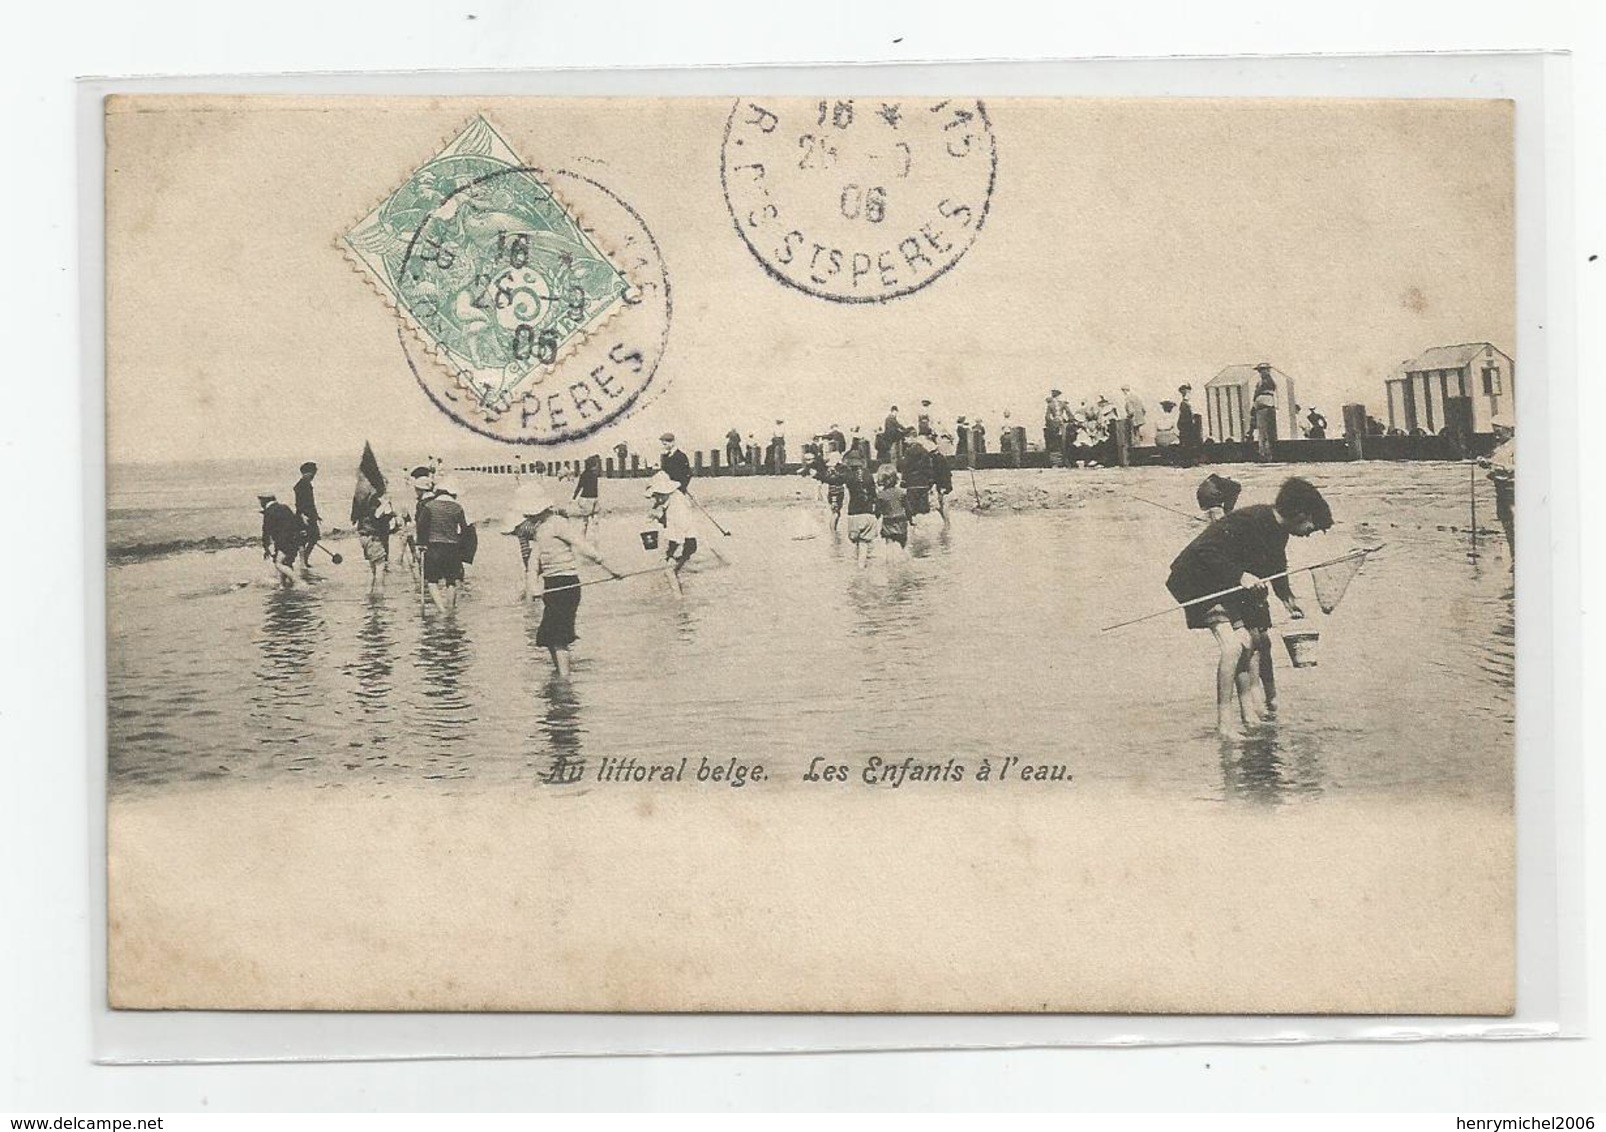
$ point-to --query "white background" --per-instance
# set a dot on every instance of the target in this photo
(45, 867)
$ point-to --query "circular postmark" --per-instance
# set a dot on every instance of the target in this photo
(858, 200)
(541, 294)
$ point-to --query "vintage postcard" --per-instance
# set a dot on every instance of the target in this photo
(852, 553)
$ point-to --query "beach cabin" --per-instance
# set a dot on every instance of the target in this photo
(1462, 388)
(1230, 396)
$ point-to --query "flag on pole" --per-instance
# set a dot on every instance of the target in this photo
(370, 485)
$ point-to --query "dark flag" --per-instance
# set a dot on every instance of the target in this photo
(370, 485)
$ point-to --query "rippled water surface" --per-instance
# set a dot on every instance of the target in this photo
(984, 642)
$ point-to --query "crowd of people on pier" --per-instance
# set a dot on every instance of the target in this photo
(1081, 432)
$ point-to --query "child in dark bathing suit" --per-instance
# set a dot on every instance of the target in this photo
(1240, 550)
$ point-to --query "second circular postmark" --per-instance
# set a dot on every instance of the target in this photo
(858, 200)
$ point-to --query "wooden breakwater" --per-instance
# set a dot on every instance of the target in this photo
(1337, 450)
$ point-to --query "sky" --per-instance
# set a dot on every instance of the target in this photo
(1147, 242)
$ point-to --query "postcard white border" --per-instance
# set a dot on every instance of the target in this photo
(1550, 769)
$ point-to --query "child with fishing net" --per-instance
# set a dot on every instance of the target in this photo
(556, 547)
(1227, 563)
(671, 508)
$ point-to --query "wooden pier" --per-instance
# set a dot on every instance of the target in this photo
(1337, 450)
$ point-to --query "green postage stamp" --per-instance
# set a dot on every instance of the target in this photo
(502, 283)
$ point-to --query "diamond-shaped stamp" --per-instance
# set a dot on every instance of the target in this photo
(545, 314)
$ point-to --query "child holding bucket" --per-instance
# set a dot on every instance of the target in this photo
(1239, 550)
(672, 509)
(551, 541)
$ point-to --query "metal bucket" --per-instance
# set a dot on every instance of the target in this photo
(649, 540)
(1302, 647)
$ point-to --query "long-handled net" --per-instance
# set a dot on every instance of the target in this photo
(1339, 570)
(1333, 578)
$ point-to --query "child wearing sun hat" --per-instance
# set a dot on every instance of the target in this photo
(671, 509)
(551, 542)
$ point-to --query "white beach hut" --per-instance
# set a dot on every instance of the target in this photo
(1461, 387)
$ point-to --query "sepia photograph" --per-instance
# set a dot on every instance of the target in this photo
(867, 553)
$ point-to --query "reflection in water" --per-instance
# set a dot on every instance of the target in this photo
(376, 649)
(557, 735)
(1499, 659)
(984, 639)
(284, 691)
(888, 600)
(929, 537)
(686, 620)
(1262, 767)
(555, 743)
(443, 656)
(290, 624)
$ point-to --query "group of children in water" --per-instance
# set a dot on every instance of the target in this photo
(1221, 578)
(881, 504)
(552, 541)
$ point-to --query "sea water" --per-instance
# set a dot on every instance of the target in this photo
(983, 643)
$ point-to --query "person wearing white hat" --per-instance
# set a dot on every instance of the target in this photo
(672, 510)
(422, 479)
(552, 542)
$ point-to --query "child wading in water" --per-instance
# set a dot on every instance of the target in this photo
(891, 504)
(583, 504)
(1241, 549)
(282, 538)
(1218, 497)
(835, 490)
(551, 540)
(671, 508)
(375, 525)
(860, 489)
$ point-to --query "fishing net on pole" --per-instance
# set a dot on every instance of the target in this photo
(1333, 578)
